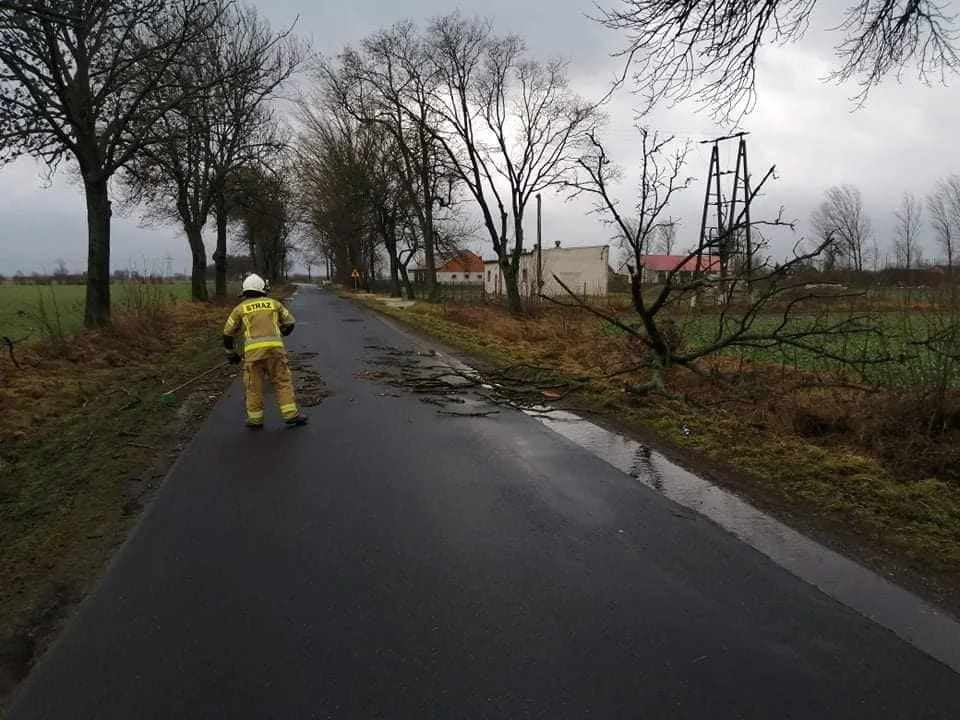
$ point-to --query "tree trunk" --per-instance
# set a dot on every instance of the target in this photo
(280, 255)
(429, 236)
(342, 264)
(390, 243)
(220, 256)
(252, 247)
(96, 311)
(430, 260)
(394, 277)
(511, 276)
(511, 268)
(271, 250)
(198, 274)
(373, 264)
(407, 286)
(355, 260)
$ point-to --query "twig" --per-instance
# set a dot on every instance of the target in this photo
(9, 343)
(580, 303)
(483, 413)
(829, 385)
(85, 441)
(141, 445)
(434, 401)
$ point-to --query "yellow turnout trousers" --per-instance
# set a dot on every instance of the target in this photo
(268, 364)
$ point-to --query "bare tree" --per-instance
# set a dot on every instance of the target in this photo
(622, 238)
(255, 65)
(907, 239)
(667, 237)
(37, 9)
(660, 179)
(944, 206)
(512, 127)
(311, 257)
(708, 48)
(334, 187)
(388, 82)
(261, 198)
(93, 87)
(774, 292)
(390, 201)
(841, 221)
(228, 125)
(357, 197)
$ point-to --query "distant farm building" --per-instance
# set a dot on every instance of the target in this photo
(584, 270)
(463, 267)
(655, 269)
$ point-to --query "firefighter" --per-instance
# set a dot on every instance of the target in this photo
(264, 323)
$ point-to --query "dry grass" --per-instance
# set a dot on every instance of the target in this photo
(863, 463)
(80, 424)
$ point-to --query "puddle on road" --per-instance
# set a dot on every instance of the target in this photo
(914, 620)
(459, 390)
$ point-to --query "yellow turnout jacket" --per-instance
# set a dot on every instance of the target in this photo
(263, 322)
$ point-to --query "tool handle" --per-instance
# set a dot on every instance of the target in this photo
(194, 379)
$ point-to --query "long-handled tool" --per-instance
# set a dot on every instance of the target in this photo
(170, 397)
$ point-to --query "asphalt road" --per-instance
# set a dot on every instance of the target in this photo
(390, 562)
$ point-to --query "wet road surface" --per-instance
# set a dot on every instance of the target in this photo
(392, 561)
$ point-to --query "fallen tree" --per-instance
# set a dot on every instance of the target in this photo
(751, 301)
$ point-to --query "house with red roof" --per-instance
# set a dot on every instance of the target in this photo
(462, 267)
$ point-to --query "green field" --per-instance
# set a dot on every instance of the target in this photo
(34, 312)
(887, 348)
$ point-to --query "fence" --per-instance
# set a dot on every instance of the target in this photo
(475, 294)
(457, 293)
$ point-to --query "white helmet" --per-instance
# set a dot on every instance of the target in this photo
(254, 283)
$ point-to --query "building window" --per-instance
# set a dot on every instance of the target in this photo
(453, 277)
(524, 275)
(489, 275)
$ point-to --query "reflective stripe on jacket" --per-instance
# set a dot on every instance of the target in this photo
(260, 320)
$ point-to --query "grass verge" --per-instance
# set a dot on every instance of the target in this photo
(84, 443)
(846, 493)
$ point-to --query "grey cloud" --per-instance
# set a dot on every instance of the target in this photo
(904, 139)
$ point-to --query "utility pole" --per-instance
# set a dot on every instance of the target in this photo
(713, 179)
(539, 245)
(730, 226)
(741, 180)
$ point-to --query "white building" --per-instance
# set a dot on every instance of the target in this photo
(584, 270)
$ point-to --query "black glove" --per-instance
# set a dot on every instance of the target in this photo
(233, 358)
(286, 330)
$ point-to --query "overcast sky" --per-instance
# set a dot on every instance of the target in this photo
(904, 139)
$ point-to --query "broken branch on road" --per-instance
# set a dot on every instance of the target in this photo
(521, 386)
